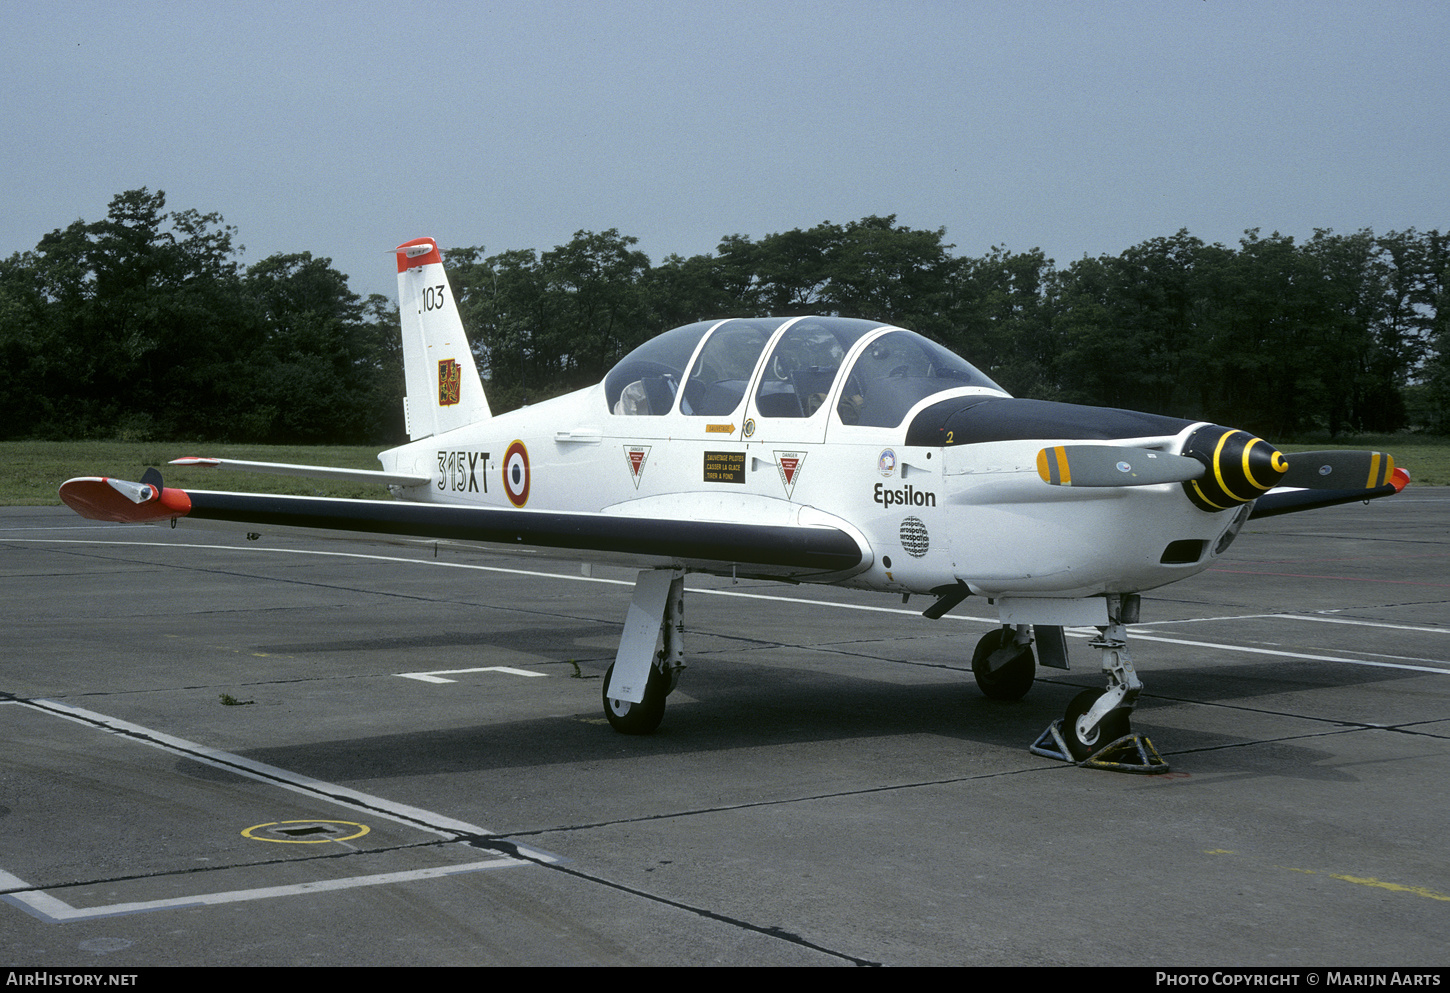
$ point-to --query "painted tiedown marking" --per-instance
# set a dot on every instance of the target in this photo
(1140, 635)
(37, 902)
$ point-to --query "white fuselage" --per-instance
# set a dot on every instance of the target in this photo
(929, 516)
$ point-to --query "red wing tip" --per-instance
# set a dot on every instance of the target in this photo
(97, 498)
(1400, 479)
(194, 460)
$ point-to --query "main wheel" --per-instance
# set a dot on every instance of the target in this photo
(642, 717)
(1006, 682)
(1109, 729)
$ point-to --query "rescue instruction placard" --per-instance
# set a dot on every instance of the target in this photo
(724, 467)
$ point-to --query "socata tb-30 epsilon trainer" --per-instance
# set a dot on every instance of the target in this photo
(811, 450)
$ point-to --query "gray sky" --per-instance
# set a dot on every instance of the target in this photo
(1081, 128)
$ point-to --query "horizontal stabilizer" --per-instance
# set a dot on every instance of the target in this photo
(313, 471)
(1112, 465)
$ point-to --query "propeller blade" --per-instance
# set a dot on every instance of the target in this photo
(1344, 470)
(1111, 465)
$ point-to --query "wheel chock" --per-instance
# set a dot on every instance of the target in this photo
(1130, 753)
(1050, 745)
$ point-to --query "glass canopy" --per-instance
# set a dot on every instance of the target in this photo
(706, 369)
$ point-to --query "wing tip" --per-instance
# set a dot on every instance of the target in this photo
(101, 498)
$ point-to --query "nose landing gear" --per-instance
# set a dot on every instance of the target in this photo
(1094, 731)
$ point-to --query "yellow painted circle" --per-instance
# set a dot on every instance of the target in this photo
(362, 829)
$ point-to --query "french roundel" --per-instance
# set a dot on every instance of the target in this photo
(516, 474)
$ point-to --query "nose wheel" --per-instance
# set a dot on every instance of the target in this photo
(1082, 739)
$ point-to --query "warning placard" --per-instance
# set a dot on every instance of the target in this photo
(724, 467)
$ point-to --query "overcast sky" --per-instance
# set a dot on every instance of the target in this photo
(1081, 128)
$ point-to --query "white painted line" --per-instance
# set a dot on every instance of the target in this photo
(47, 907)
(1296, 617)
(490, 568)
(1292, 655)
(1364, 624)
(1138, 635)
(844, 606)
(314, 788)
(308, 551)
(436, 675)
(41, 904)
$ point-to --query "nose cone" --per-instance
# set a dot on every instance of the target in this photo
(1240, 467)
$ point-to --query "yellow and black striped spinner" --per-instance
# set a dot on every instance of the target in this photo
(1240, 468)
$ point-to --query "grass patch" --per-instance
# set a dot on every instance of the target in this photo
(1425, 457)
(34, 470)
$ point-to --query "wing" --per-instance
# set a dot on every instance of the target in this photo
(814, 548)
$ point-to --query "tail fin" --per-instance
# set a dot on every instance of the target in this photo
(444, 391)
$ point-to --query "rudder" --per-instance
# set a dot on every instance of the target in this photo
(444, 389)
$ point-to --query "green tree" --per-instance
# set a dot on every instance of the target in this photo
(602, 304)
(1132, 331)
(1003, 309)
(318, 371)
(882, 271)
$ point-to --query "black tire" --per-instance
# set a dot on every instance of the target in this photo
(637, 718)
(1008, 682)
(1109, 730)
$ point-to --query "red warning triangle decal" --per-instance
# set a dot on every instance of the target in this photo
(636, 454)
(789, 464)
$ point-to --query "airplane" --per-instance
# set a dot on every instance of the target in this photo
(827, 450)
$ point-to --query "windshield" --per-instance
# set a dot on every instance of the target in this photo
(713, 362)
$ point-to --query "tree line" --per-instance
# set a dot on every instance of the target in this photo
(146, 324)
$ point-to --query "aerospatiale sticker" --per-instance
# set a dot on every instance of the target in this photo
(789, 465)
(637, 456)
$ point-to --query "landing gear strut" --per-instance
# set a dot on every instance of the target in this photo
(1094, 731)
(656, 613)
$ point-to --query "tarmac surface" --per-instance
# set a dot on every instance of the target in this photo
(306, 752)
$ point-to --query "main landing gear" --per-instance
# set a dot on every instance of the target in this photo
(1003, 663)
(635, 702)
